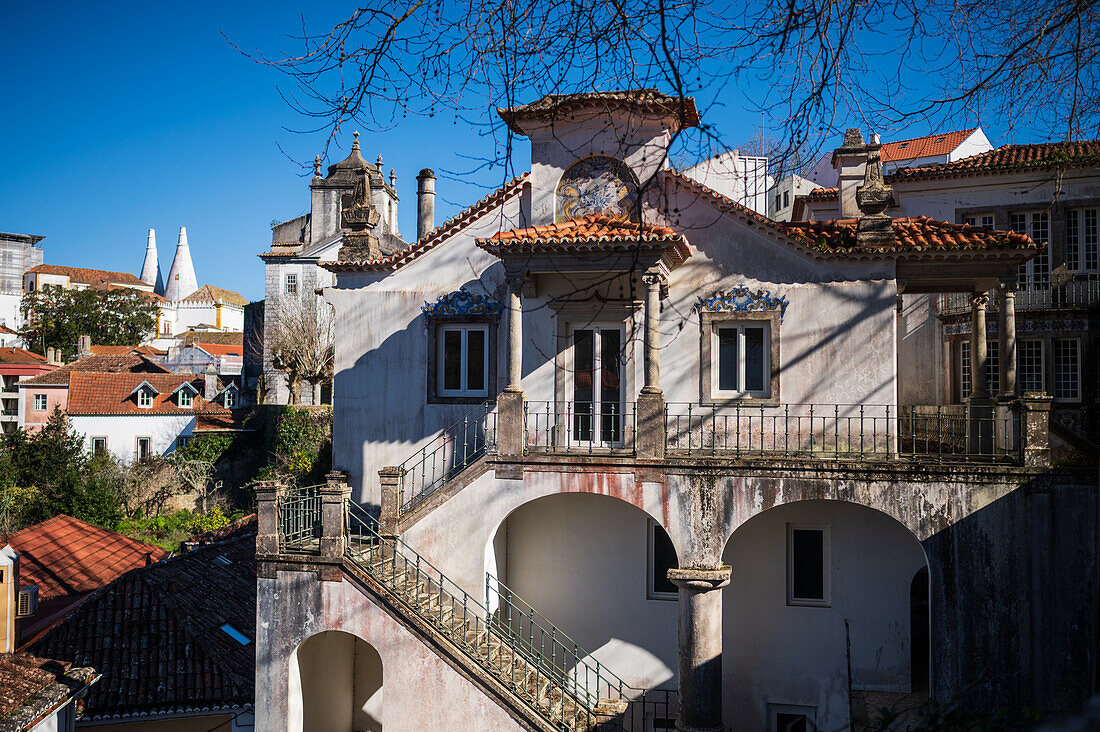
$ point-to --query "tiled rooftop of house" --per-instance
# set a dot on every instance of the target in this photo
(97, 393)
(219, 349)
(1011, 157)
(31, 687)
(919, 234)
(823, 194)
(133, 363)
(99, 278)
(66, 556)
(211, 294)
(197, 336)
(649, 100)
(589, 233)
(941, 143)
(13, 355)
(158, 634)
(121, 350)
(6, 330)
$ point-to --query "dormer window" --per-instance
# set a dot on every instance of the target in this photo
(144, 398)
(186, 398)
(230, 398)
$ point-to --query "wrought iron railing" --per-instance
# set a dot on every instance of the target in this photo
(447, 454)
(846, 431)
(573, 426)
(564, 695)
(1078, 291)
(300, 518)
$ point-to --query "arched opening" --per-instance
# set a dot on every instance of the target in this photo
(919, 631)
(594, 566)
(335, 685)
(820, 602)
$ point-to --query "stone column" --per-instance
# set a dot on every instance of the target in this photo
(511, 431)
(1007, 327)
(978, 386)
(334, 496)
(649, 432)
(390, 479)
(267, 517)
(1035, 429)
(700, 647)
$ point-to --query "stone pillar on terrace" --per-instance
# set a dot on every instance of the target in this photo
(979, 388)
(389, 478)
(1007, 328)
(267, 516)
(1035, 429)
(700, 647)
(649, 435)
(335, 493)
(510, 403)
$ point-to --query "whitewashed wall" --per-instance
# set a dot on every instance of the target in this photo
(122, 431)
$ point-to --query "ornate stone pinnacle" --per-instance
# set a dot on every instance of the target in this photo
(874, 228)
(317, 167)
(355, 142)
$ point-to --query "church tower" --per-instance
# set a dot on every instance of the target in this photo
(150, 268)
(181, 276)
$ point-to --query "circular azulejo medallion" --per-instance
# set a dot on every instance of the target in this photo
(596, 185)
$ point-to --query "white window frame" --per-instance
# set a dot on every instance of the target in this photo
(1027, 278)
(182, 440)
(1020, 364)
(826, 566)
(98, 438)
(984, 220)
(1055, 365)
(229, 398)
(441, 361)
(290, 283)
(44, 402)
(144, 398)
(992, 367)
(651, 562)
(715, 371)
(137, 447)
(1082, 230)
(186, 399)
(599, 408)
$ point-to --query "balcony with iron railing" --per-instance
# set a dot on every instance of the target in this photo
(1075, 292)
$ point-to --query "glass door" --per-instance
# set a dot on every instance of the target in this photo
(597, 398)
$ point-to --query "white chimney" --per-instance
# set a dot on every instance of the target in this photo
(425, 203)
(181, 277)
(210, 383)
(150, 268)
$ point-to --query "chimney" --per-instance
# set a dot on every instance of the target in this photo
(425, 203)
(150, 268)
(210, 384)
(51, 356)
(181, 277)
(875, 227)
(848, 161)
(84, 345)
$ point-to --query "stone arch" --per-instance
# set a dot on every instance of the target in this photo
(585, 562)
(788, 649)
(336, 685)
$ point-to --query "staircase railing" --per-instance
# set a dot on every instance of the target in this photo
(564, 696)
(300, 518)
(447, 454)
(571, 664)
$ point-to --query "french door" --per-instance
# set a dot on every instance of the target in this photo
(597, 385)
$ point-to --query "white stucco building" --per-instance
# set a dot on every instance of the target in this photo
(612, 447)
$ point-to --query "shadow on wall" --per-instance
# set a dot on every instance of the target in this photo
(335, 685)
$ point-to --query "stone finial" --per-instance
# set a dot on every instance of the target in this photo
(875, 227)
(393, 178)
(355, 141)
(358, 219)
(317, 167)
(379, 162)
(853, 137)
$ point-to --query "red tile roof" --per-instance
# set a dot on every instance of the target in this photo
(556, 106)
(65, 556)
(120, 350)
(96, 393)
(220, 421)
(913, 235)
(438, 235)
(31, 687)
(1012, 157)
(155, 633)
(589, 233)
(99, 278)
(209, 293)
(10, 354)
(133, 363)
(219, 349)
(941, 143)
(232, 338)
(823, 194)
(6, 330)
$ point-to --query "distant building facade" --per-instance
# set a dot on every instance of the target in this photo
(18, 253)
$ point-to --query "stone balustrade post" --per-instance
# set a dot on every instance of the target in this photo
(700, 647)
(511, 423)
(1035, 429)
(335, 493)
(267, 516)
(390, 479)
(649, 433)
(609, 714)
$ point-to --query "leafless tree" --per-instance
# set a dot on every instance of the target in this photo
(196, 477)
(301, 344)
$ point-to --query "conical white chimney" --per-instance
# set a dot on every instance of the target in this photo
(150, 268)
(181, 277)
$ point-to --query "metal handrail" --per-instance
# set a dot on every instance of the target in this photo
(300, 517)
(447, 454)
(573, 426)
(846, 431)
(1079, 290)
(466, 622)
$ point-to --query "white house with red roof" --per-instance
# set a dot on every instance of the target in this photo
(612, 448)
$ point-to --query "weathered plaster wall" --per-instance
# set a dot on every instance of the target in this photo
(122, 432)
(31, 419)
(421, 691)
(920, 352)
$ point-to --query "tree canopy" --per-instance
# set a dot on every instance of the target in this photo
(57, 318)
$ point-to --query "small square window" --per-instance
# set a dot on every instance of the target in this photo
(292, 284)
(143, 447)
(181, 441)
(40, 402)
(742, 368)
(807, 565)
(786, 198)
(662, 557)
(463, 360)
(186, 399)
(99, 446)
(144, 398)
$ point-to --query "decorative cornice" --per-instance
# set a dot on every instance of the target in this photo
(462, 302)
(743, 300)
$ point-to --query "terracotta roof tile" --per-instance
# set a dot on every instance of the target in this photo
(99, 278)
(65, 556)
(438, 235)
(133, 363)
(554, 106)
(10, 354)
(913, 235)
(209, 293)
(941, 143)
(31, 687)
(122, 350)
(230, 338)
(97, 393)
(6, 330)
(219, 349)
(594, 232)
(823, 194)
(155, 633)
(1011, 157)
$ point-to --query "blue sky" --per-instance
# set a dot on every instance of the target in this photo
(123, 116)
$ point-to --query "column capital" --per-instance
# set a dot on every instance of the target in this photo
(979, 299)
(700, 579)
(514, 281)
(654, 278)
(1008, 285)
